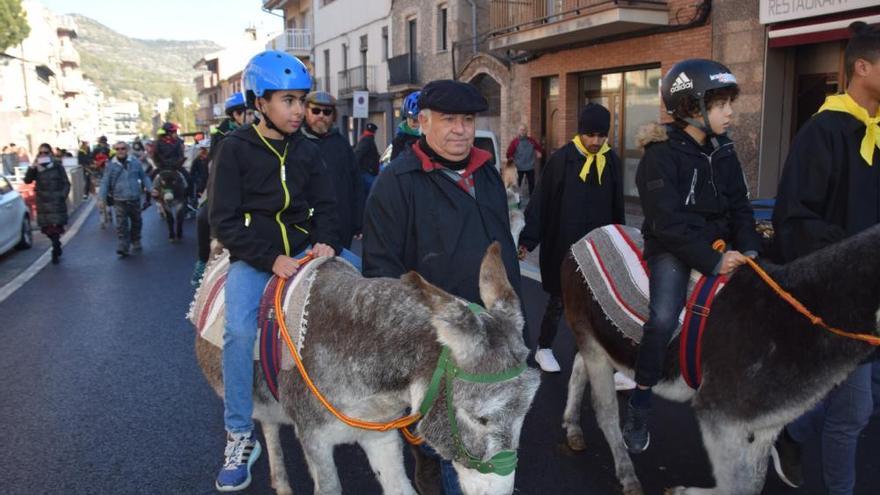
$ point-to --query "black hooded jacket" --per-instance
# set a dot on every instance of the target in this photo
(342, 164)
(260, 210)
(827, 192)
(692, 196)
(564, 208)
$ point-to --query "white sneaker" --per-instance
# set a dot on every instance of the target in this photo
(547, 361)
(623, 382)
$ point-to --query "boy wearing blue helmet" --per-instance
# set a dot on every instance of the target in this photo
(271, 198)
(236, 112)
(408, 130)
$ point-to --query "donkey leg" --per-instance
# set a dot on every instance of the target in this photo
(169, 220)
(317, 447)
(277, 470)
(179, 218)
(385, 452)
(571, 419)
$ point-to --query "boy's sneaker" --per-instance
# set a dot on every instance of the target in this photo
(786, 454)
(546, 360)
(242, 451)
(636, 436)
(136, 246)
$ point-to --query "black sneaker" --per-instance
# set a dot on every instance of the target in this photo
(636, 436)
(786, 454)
(121, 253)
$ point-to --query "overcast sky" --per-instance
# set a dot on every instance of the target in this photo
(217, 20)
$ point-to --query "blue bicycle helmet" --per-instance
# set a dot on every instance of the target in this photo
(234, 102)
(273, 71)
(411, 105)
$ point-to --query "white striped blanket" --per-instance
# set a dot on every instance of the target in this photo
(610, 260)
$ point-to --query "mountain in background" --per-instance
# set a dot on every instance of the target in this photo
(138, 70)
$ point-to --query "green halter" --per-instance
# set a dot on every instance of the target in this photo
(502, 463)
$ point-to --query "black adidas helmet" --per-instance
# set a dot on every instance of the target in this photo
(692, 78)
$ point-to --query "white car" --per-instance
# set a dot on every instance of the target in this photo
(15, 220)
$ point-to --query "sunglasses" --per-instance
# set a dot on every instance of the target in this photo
(44, 152)
(121, 149)
(318, 111)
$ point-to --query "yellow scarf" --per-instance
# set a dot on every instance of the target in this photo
(598, 157)
(845, 103)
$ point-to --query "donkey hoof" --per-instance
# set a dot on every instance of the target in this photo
(576, 442)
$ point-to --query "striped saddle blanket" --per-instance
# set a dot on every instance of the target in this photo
(611, 262)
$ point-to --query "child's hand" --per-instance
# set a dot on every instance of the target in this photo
(285, 266)
(521, 254)
(730, 261)
(320, 250)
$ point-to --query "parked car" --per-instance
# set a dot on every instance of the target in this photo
(484, 140)
(15, 220)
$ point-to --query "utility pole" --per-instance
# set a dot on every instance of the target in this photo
(27, 103)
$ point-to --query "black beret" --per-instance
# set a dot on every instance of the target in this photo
(594, 118)
(372, 127)
(450, 96)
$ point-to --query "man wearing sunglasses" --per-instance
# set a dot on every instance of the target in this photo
(339, 158)
(124, 180)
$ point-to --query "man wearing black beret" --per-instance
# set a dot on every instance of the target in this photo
(435, 209)
(581, 188)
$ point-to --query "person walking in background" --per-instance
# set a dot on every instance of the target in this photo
(408, 131)
(368, 156)
(121, 187)
(10, 159)
(524, 151)
(52, 187)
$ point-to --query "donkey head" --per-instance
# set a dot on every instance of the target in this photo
(478, 425)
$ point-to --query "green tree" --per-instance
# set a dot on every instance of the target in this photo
(13, 24)
(179, 112)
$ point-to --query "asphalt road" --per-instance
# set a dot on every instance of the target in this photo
(100, 394)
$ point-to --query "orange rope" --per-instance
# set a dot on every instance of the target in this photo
(397, 424)
(719, 245)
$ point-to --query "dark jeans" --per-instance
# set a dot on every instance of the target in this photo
(87, 182)
(530, 174)
(668, 285)
(203, 231)
(128, 222)
(840, 418)
(550, 323)
(448, 476)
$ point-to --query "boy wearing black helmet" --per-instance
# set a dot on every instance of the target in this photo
(692, 191)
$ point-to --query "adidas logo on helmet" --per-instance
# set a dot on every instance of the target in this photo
(681, 83)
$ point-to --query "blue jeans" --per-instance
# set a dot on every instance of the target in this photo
(351, 258)
(447, 472)
(668, 284)
(840, 417)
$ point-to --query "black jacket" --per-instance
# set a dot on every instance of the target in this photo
(224, 129)
(340, 160)
(367, 155)
(692, 196)
(252, 214)
(402, 142)
(52, 187)
(199, 174)
(423, 221)
(827, 192)
(564, 208)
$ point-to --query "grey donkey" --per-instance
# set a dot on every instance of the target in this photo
(763, 363)
(388, 333)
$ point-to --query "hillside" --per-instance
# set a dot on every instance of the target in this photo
(136, 69)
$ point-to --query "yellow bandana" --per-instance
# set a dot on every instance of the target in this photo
(845, 103)
(598, 157)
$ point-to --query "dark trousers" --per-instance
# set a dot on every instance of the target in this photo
(550, 323)
(87, 182)
(530, 174)
(128, 223)
(203, 231)
(668, 284)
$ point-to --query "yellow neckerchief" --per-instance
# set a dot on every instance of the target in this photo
(599, 157)
(845, 103)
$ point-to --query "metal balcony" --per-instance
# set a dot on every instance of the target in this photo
(297, 42)
(403, 70)
(362, 78)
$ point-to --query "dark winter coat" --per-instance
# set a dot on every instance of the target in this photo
(168, 153)
(367, 154)
(260, 210)
(402, 142)
(226, 127)
(423, 221)
(52, 187)
(340, 160)
(691, 196)
(199, 174)
(564, 208)
(827, 192)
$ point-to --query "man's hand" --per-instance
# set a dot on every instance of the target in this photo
(521, 254)
(285, 266)
(730, 261)
(320, 250)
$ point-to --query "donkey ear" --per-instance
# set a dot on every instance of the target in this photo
(456, 325)
(495, 288)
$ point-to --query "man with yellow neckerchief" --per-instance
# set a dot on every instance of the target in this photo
(581, 188)
(830, 190)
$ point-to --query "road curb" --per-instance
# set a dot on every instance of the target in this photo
(22, 278)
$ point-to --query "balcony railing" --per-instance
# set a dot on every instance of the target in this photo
(297, 42)
(69, 55)
(513, 15)
(207, 80)
(403, 69)
(360, 78)
(322, 84)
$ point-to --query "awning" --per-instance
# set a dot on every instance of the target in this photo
(817, 30)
